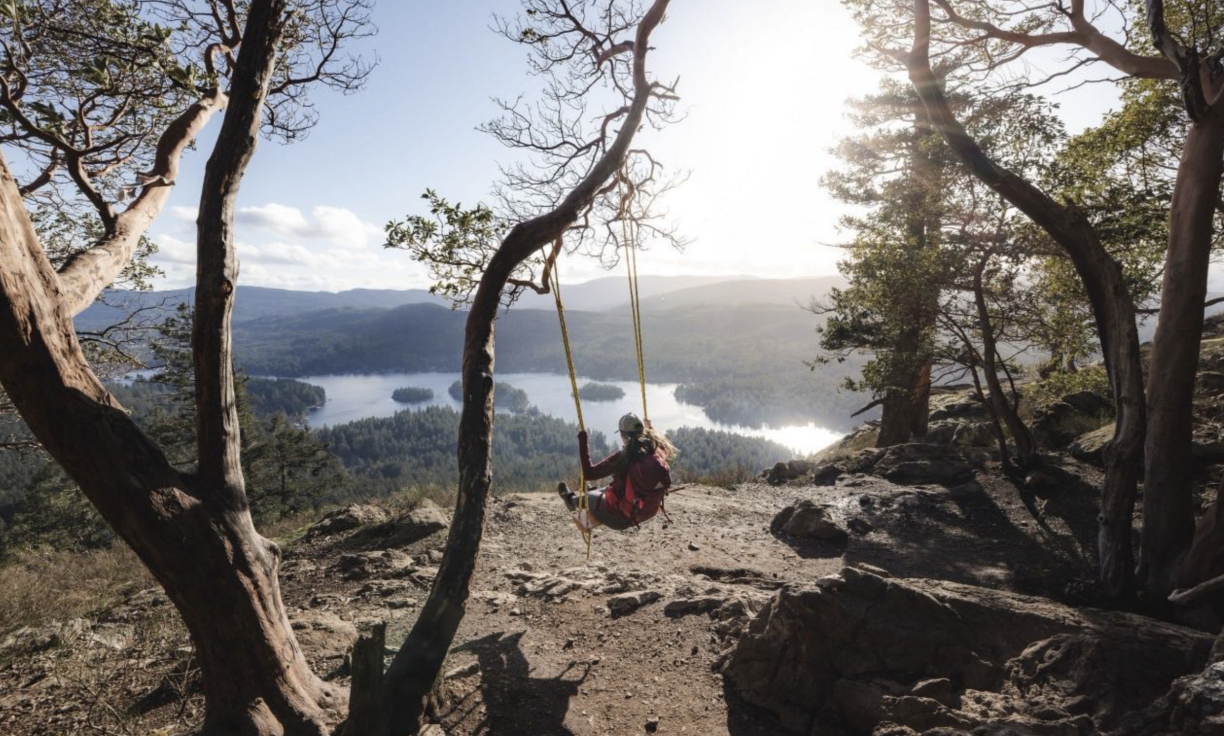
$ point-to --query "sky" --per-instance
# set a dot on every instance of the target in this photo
(762, 88)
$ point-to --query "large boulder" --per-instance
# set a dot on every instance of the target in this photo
(1089, 447)
(917, 463)
(323, 633)
(805, 519)
(785, 472)
(857, 651)
(1070, 417)
(423, 521)
(346, 519)
(958, 405)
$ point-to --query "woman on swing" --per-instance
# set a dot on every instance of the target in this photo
(640, 478)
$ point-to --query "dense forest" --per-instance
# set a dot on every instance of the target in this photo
(533, 451)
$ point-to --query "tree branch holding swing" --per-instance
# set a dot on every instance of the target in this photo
(482, 259)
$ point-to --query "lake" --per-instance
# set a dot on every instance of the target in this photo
(355, 397)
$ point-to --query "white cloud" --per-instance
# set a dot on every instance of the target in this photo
(186, 214)
(330, 249)
(276, 218)
(174, 250)
(344, 228)
(289, 254)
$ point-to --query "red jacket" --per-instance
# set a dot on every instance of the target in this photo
(648, 478)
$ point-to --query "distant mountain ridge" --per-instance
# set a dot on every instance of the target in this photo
(598, 295)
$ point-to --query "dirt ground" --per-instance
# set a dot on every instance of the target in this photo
(629, 641)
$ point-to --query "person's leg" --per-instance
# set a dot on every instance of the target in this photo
(571, 501)
(585, 519)
(604, 513)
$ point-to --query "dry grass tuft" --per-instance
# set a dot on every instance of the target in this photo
(42, 586)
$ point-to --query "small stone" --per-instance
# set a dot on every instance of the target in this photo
(516, 611)
(466, 670)
(693, 547)
(652, 725)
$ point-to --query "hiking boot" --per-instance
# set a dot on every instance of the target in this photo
(571, 501)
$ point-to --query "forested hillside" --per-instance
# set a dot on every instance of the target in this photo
(745, 364)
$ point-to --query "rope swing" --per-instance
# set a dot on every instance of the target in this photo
(635, 308)
(635, 302)
(583, 506)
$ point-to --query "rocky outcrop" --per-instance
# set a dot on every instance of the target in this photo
(346, 519)
(1089, 447)
(420, 523)
(872, 655)
(918, 463)
(1070, 417)
(957, 432)
(324, 632)
(958, 405)
(805, 519)
(788, 471)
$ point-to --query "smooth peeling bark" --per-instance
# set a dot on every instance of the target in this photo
(418, 664)
(1168, 482)
(1112, 307)
(196, 538)
(86, 274)
(219, 573)
(295, 700)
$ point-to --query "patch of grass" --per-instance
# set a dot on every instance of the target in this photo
(40, 586)
(289, 529)
(409, 498)
(847, 446)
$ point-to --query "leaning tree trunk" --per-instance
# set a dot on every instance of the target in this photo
(417, 665)
(220, 574)
(1112, 306)
(1001, 407)
(194, 534)
(1168, 482)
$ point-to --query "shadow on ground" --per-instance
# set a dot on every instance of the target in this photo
(507, 687)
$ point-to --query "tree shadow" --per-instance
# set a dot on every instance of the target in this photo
(745, 719)
(514, 701)
(964, 535)
(812, 549)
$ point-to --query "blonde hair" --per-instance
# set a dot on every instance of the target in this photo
(647, 443)
(659, 440)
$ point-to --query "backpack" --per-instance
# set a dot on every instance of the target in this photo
(637, 502)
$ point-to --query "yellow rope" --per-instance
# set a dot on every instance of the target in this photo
(636, 308)
(635, 303)
(583, 505)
